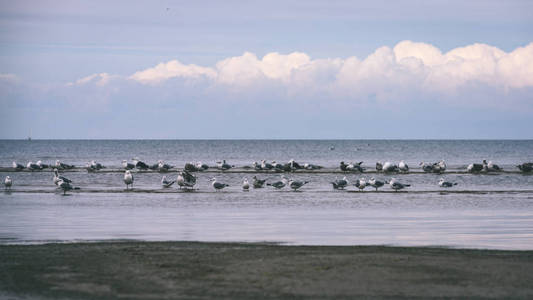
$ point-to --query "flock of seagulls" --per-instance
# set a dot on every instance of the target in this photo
(187, 180)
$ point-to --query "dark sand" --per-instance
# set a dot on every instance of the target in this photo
(187, 270)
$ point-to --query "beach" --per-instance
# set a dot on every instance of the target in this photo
(187, 270)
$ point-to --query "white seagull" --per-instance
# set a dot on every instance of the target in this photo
(360, 184)
(57, 178)
(340, 184)
(296, 184)
(376, 183)
(279, 184)
(245, 184)
(395, 185)
(403, 166)
(446, 184)
(218, 185)
(17, 166)
(128, 179)
(8, 182)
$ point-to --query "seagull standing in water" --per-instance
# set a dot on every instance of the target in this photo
(446, 184)
(279, 184)
(167, 183)
(296, 184)
(127, 165)
(390, 167)
(340, 184)
(128, 179)
(65, 186)
(403, 167)
(258, 183)
(58, 178)
(245, 185)
(222, 165)
(474, 168)
(360, 184)
(218, 185)
(8, 182)
(186, 179)
(17, 166)
(33, 167)
(61, 165)
(376, 183)
(396, 186)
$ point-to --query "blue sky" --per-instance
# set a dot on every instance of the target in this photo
(266, 69)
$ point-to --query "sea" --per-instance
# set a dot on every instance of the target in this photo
(484, 211)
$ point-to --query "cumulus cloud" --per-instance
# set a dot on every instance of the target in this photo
(172, 69)
(100, 79)
(388, 74)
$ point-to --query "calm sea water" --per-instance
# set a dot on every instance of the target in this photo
(482, 211)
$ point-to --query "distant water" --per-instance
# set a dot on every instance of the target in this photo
(318, 215)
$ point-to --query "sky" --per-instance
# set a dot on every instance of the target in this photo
(266, 69)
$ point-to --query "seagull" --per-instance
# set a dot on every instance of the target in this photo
(266, 166)
(42, 165)
(65, 186)
(245, 185)
(167, 183)
(57, 178)
(127, 165)
(490, 167)
(426, 167)
(186, 179)
(296, 184)
(201, 167)
(379, 166)
(311, 167)
(163, 167)
(96, 166)
(396, 185)
(190, 167)
(8, 182)
(474, 168)
(217, 185)
(360, 184)
(256, 166)
(525, 167)
(258, 183)
(442, 165)
(355, 167)
(277, 166)
(61, 165)
(17, 166)
(222, 165)
(33, 166)
(279, 184)
(294, 165)
(446, 184)
(376, 183)
(390, 167)
(140, 164)
(343, 166)
(128, 179)
(340, 184)
(403, 167)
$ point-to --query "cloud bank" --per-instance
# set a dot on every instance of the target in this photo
(407, 66)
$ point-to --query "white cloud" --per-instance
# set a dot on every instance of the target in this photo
(387, 73)
(172, 69)
(99, 79)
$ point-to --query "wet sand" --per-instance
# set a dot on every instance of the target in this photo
(186, 270)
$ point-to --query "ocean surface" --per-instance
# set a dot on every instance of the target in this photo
(493, 210)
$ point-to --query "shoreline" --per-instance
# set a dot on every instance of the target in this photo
(128, 269)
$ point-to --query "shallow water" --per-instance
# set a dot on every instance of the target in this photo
(468, 215)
